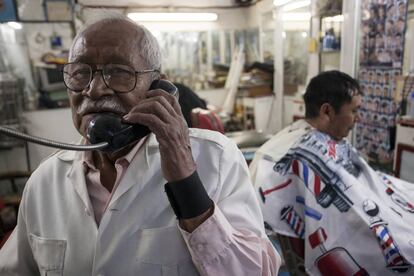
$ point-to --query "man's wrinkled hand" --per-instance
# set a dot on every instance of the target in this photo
(161, 113)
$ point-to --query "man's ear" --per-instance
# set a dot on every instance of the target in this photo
(326, 111)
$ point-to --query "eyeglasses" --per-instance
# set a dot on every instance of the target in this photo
(118, 77)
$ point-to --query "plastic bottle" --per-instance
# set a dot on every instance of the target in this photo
(327, 43)
(328, 40)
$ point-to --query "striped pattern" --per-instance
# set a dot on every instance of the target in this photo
(295, 222)
(389, 248)
(312, 181)
(332, 149)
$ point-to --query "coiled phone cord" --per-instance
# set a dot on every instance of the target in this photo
(50, 143)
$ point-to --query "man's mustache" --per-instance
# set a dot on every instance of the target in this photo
(109, 104)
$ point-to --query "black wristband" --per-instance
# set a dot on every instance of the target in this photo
(188, 197)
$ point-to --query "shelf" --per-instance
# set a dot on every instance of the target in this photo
(330, 52)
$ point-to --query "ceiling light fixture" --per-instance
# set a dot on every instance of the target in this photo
(279, 3)
(172, 17)
(297, 16)
(337, 18)
(296, 5)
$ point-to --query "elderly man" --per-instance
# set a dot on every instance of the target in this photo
(327, 204)
(106, 212)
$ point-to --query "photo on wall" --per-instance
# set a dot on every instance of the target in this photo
(8, 11)
(382, 36)
(383, 26)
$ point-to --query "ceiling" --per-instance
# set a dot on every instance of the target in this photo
(160, 3)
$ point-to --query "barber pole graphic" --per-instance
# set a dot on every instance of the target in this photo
(393, 258)
(334, 262)
(289, 215)
(312, 181)
(324, 194)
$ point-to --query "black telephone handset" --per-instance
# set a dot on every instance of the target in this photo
(108, 127)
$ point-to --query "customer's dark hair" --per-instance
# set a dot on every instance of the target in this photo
(333, 87)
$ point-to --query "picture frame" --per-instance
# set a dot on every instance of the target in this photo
(401, 169)
(8, 11)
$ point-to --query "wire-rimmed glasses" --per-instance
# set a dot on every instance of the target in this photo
(121, 78)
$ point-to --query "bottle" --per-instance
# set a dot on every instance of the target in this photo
(328, 40)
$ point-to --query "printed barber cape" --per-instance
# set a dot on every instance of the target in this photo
(353, 220)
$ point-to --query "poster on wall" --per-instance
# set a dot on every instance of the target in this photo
(380, 65)
(8, 11)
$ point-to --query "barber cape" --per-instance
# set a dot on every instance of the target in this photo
(353, 220)
(279, 144)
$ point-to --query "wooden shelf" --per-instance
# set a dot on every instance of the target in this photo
(14, 174)
(406, 122)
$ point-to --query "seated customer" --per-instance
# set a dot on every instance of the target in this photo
(195, 110)
(188, 100)
(315, 188)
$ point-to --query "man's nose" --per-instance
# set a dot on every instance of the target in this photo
(97, 87)
(357, 117)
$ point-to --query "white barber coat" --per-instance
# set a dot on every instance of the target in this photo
(138, 234)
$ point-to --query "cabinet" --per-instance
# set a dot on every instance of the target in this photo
(257, 112)
(404, 157)
(294, 109)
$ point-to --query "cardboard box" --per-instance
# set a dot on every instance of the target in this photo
(290, 89)
(260, 90)
(58, 11)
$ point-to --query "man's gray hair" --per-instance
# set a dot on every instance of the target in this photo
(149, 47)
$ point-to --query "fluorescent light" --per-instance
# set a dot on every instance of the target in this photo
(296, 5)
(304, 34)
(284, 34)
(279, 3)
(15, 25)
(336, 18)
(297, 16)
(170, 17)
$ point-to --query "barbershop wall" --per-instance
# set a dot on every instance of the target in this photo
(13, 44)
(408, 64)
(39, 36)
(41, 123)
(20, 51)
